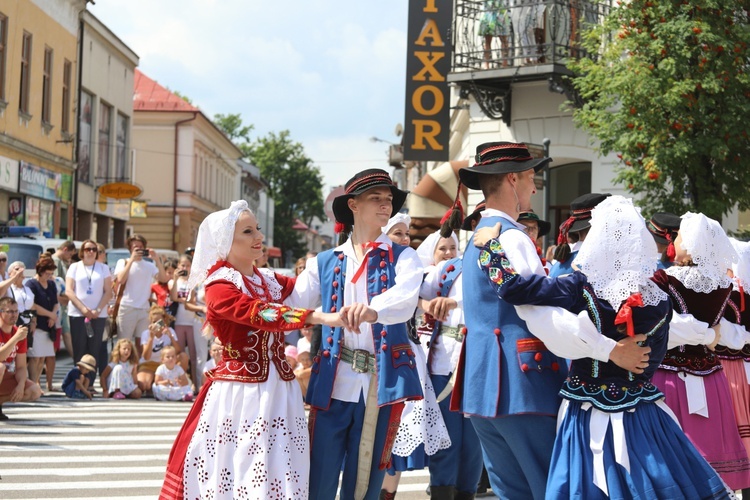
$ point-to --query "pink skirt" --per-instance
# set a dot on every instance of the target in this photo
(739, 389)
(716, 437)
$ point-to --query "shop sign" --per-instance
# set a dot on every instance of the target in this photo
(427, 121)
(120, 190)
(138, 209)
(40, 182)
(15, 211)
(8, 174)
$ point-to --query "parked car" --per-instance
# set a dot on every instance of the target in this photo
(27, 249)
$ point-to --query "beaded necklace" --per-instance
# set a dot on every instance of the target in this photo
(252, 287)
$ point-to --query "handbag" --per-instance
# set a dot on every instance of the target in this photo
(115, 310)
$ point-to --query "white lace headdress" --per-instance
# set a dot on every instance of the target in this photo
(711, 251)
(426, 249)
(741, 268)
(619, 255)
(396, 219)
(215, 237)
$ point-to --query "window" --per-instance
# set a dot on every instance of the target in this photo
(47, 86)
(102, 169)
(23, 100)
(3, 45)
(122, 142)
(84, 138)
(65, 123)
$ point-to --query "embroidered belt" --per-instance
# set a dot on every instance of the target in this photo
(361, 360)
(453, 332)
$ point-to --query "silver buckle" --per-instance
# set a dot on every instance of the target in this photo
(360, 361)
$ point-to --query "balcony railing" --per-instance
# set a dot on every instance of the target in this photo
(497, 34)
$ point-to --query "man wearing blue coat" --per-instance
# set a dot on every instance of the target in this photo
(507, 380)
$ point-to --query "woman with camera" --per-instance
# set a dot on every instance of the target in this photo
(88, 285)
(43, 288)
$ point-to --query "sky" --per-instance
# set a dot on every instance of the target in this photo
(332, 72)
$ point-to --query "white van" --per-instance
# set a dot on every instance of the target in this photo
(28, 250)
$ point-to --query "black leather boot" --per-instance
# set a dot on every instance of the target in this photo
(442, 492)
(463, 495)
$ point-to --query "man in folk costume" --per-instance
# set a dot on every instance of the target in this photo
(663, 226)
(364, 371)
(579, 223)
(511, 404)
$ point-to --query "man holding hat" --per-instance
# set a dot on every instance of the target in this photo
(579, 222)
(663, 226)
(365, 370)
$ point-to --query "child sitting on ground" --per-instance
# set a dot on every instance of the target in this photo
(118, 378)
(79, 381)
(171, 382)
(157, 337)
(215, 352)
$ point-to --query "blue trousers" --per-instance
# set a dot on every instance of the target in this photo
(461, 464)
(517, 451)
(335, 435)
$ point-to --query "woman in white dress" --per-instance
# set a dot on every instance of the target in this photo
(246, 436)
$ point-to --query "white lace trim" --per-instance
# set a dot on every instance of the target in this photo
(741, 268)
(692, 278)
(619, 254)
(234, 277)
(709, 247)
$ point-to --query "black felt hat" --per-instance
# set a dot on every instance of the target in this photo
(580, 214)
(361, 182)
(494, 158)
(663, 227)
(474, 216)
(544, 226)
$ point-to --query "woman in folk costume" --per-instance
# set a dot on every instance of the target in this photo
(422, 431)
(734, 349)
(691, 376)
(364, 371)
(246, 435)
(454, 471)
(616, 438)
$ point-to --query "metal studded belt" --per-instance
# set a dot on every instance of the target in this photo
(361, 360)
(453, 332)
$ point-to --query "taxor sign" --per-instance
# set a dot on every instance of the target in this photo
(427, 122)
(119, 190)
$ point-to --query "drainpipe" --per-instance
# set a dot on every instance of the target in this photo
(174, 191)
(77, 149)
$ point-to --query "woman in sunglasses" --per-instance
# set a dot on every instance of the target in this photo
(88, 285)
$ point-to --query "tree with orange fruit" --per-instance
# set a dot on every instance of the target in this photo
(670, 94)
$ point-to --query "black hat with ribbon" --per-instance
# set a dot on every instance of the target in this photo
(663, 227)
(580, 216)
(494, 158)
(474, 216)
(544, 226)
(361, 182)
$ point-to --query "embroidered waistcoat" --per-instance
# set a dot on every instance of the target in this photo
(735, 314)
(708, 307)
(395, 362)
(491, 380)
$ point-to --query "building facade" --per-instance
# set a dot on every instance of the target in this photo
(38, 69)
(186, 166)
(104, 132)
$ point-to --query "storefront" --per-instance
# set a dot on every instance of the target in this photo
(45, 203)
(9, 201)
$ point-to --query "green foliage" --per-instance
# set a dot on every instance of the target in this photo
(295, 184)
(181, 96)
(238, 133)
(670, 94)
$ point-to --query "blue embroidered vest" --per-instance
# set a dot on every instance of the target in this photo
(396, 369)
(561, 268)
(504, 369)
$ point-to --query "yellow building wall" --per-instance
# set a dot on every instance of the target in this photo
(24, 15)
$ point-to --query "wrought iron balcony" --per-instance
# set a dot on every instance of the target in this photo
(498, 42)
